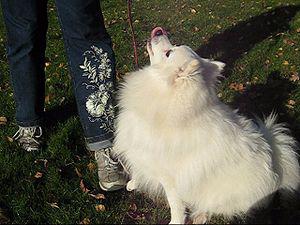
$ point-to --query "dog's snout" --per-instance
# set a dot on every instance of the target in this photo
(158, 31)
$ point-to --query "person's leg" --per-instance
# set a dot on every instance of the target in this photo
(92, 65)
(26, 23)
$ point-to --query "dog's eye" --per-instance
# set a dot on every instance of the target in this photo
(168, 53)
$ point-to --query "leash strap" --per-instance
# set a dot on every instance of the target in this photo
(129, 7)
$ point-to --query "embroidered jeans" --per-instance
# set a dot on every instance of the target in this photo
(90, 56)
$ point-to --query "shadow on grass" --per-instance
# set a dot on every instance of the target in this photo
(235, 41)
(262, 99)
(60, 114)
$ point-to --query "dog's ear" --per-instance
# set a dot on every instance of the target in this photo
(220, 65)
(189, 68)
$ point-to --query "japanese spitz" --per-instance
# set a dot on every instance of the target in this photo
(176, 136)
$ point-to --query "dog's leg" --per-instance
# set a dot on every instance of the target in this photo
(176, 205)
(131, 185)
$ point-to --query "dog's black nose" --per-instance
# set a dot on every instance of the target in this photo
(159, 32)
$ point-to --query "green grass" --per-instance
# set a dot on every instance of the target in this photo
(259, 41)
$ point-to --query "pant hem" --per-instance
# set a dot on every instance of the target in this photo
(33, 123)
(99, 142)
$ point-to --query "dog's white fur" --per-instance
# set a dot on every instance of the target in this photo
(175, 135)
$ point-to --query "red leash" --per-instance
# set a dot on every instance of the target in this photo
(129, 4)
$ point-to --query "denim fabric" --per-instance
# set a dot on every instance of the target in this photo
(90, 57)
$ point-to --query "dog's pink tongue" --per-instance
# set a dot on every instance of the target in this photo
(157, 31)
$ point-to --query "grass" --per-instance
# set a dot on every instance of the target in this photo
(259, 41)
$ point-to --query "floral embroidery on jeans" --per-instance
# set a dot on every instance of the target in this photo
(97, 69)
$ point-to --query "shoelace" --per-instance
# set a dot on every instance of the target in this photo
(28, 132)
(111, 165)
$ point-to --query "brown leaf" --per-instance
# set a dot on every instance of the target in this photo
(98, 196)
(195, 29)
(85, 221)
(83, 187)
(100, 208)
(47, 99)
(38, 175)
(91, 166)
(285, 63)
(3, 120)
(289, 42)
(237, 87)
(290, 104)
(294, 77)
(298, 30)
(10, 139)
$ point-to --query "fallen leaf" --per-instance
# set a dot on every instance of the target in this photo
(47, 99)
(38, 175)
(98, 196)
(294, 77)
(85, 221)
(83, 187)
(91, 166)
(100, 208)
(289, 42)
(54, 205)
(298, 30)
(193, 11)
(237, 87)
(290, 104)
(3, 120)
(10, 139)
(285, 63)
(196, 29)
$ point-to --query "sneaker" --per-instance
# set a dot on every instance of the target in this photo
(29, 138)
(111, 174)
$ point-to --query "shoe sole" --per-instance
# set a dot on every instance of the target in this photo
(113, 188)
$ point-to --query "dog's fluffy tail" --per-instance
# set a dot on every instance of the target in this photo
(284, 154)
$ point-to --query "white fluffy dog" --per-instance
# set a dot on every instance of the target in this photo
(175, 135)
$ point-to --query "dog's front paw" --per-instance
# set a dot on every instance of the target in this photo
(201, 218)
(130, 185)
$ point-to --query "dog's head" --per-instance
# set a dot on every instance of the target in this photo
(180, 63)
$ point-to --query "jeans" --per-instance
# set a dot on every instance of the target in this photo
(90, 57)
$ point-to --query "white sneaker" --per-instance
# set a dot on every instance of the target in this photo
(29, 138)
